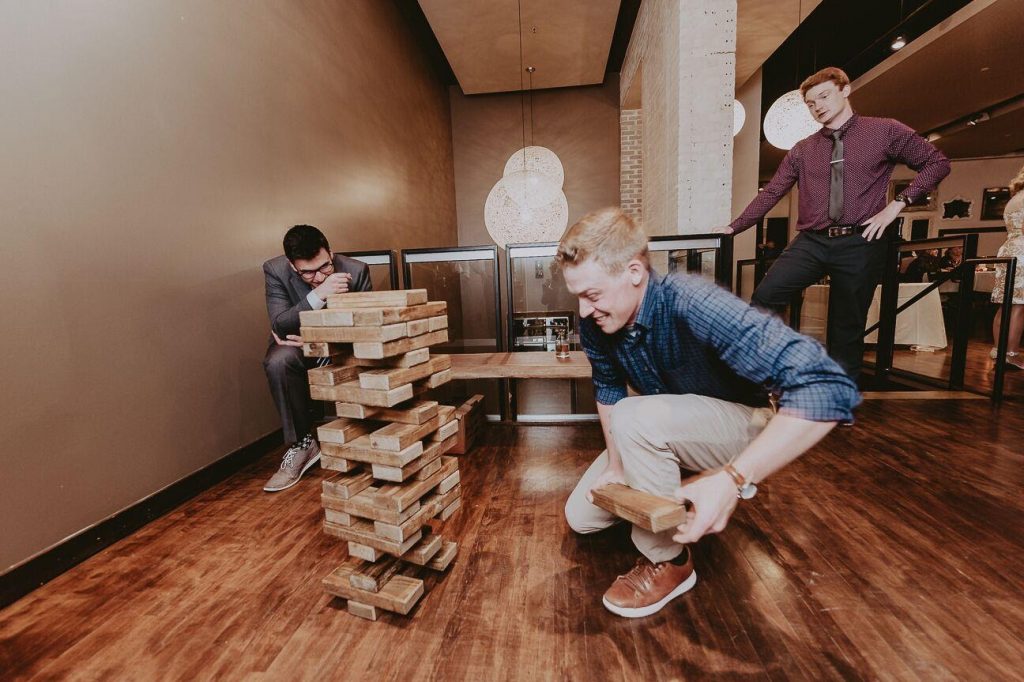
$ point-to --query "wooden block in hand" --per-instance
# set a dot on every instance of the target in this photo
(377, 317)
(648, 511)
(378, 299)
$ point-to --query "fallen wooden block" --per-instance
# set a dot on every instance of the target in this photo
(361, 610)
(399, 594)
(415, 412)
(332, 375)
(387, 379)
(648, 511)
(383, 334)
(402, 496)
(372, 350)
(341, 430)
(396, 437)
(385, 472)
(378, 299)
(376, 317)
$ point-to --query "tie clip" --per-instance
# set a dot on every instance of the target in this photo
(836, 161)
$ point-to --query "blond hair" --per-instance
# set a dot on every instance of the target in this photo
(829, 73)
(1017, 184)
(607, 236)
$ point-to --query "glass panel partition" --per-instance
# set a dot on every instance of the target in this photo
(383, 268)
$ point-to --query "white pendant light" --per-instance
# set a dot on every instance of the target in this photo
(789, 120)
(510, 222)
(539, 159)
(739, 116)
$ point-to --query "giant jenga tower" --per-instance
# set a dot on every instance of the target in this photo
(387, 446)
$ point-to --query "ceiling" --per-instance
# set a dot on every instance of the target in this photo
(967, 64)
(761, 26)
(567, 41)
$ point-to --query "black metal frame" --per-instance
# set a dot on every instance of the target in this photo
(392, 262)
(721, 243)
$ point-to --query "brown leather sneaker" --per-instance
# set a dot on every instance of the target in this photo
(648, 587)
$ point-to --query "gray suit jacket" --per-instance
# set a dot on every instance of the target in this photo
(286, 291)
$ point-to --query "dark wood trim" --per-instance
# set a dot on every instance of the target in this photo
(44, 567)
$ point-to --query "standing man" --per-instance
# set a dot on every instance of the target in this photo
(842, 172)
(301, 279)
(701, 359)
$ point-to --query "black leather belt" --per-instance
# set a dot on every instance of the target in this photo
(842, 230)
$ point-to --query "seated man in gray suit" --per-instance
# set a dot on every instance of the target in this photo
(301, 279)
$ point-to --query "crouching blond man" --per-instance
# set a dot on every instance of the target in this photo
(703, 362)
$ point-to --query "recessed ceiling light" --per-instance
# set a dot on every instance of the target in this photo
(898, 42)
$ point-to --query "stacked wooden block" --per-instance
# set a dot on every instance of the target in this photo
(387, 446)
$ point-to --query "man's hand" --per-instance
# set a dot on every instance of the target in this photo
(876, 224)
(289, 340)
(713, 496)
(609, 475)
(721, 229)
(334, 284)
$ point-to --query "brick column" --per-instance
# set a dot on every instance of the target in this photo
(631, 162)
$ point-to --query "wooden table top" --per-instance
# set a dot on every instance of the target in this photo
(523, 365)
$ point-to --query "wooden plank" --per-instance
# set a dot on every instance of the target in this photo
(363, 552)
(352, 392)
(444, 558)
(341, 430)
(648, 511)
(374, 350)
(364, 611)
(399, 474)
(428, 470)
(325, 318)
(361, 532)
(399, 594)
(520, 366)
(413, 357)
(397, 437)
(324, 350)
(339, 464)
(362, 506)
(429, 507)
(332, 375)
(355, 334)
(468, 406)
(372, 575)
(361, 450)
(446, 431)
(387, 379)
(449, 483)
(424, 550)
(375, 317)
(415, 412)
(417, 327)
(439, 322)
(439, 379)
(378, 299)
(451, 508)
(338, 517)
(400, 497)
(349, 485)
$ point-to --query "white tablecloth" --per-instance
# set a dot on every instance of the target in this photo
(920, 324)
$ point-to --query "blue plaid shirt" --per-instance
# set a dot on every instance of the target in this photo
(693, 337)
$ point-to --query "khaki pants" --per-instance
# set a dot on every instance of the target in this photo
(657, 436)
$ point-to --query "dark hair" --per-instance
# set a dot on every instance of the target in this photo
(302, 242)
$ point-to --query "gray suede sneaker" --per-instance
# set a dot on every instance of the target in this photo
(297, 460)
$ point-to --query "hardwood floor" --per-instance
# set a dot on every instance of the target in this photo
(978, 373)
(892, 551)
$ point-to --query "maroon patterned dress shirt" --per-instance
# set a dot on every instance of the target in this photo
(872, 147)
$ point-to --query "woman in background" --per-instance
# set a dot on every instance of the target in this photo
(1014, 246)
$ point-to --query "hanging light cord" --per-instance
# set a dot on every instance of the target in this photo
(522, 95)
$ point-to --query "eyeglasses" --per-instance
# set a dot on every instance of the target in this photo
(308, 275)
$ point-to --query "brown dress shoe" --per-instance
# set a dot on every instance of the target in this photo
(648, 587)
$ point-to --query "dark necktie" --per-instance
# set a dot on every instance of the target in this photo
(835, 192)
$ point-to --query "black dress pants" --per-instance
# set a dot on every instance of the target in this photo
(286, 370)
(854, 266)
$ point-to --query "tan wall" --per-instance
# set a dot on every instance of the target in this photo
(581, 125)
(154, 154)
